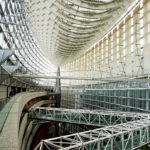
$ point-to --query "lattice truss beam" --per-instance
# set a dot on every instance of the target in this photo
(125, 136)
(63, 28)
(87, 117)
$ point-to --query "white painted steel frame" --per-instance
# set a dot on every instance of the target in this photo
(119, 137)
(87, 117)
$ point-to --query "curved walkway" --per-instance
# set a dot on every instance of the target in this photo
(24, 123)
(9, 139)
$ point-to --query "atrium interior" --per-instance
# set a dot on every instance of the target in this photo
(74, 75)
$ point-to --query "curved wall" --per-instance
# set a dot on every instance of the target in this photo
(10, 130)
(27, 126)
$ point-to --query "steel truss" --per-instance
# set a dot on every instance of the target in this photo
(125, 136)
(88, 117)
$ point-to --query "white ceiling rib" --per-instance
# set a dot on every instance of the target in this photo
(65, 28)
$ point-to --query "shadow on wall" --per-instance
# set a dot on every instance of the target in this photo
(15, 90)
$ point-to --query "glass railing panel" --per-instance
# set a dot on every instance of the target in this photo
(5, 106)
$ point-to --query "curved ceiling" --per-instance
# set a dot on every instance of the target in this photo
(65, 28)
